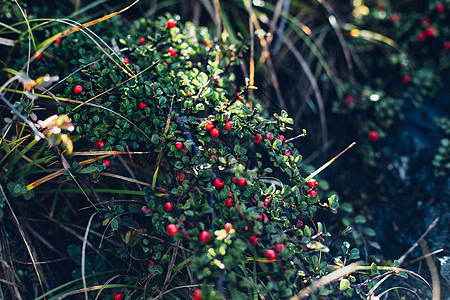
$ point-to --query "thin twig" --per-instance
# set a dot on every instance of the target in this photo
(22, 233)
(433, 270)
(83, 255)
(432, 225)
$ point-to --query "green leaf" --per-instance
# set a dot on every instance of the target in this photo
(369, 232)
(87, 170)
(354, 254)
(155, 139)
(344, 284)
(373, 269)
(202, 78)
(114, 224)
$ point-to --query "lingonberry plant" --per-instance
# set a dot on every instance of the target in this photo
(199, 134)
(213, 220)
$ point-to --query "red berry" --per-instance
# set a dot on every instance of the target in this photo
(253, 239)
(168, 206)
(215, 132)
(426, 22)
(213, 156)
(270, 254)
(447, 45)
(172, 229)
(269, 136)
(171, 23)
(230, 194)
(349, 100)
(312, 183)
(39, 56)
(395, 18)
(145, 209)
(179, 145)
(205, 236)
(406, 79)
(218, 183)
(421, 36)
(209, 125)
(430, 31)
(312, 194)
(77, 89)
(281, 138)
(142, 105)
(181, 177)
(188, 94)
(229, 202)
(228, 227)
(118, 296)
(258, 138)
(141, 41)
(172, 51)
(116, 154)
(106, 162)
(278, 247)
(234, 179)
(58, 41)
(242, 181)
(228, 125)
(126, 60)
(440, 7)
(100, 144)
(197, 295)
(267, 203)
(373, 136)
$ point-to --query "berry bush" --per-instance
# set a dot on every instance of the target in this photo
(190, 189)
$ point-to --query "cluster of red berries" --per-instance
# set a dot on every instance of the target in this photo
(312, 184)
(429, 31)
(212, 129)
